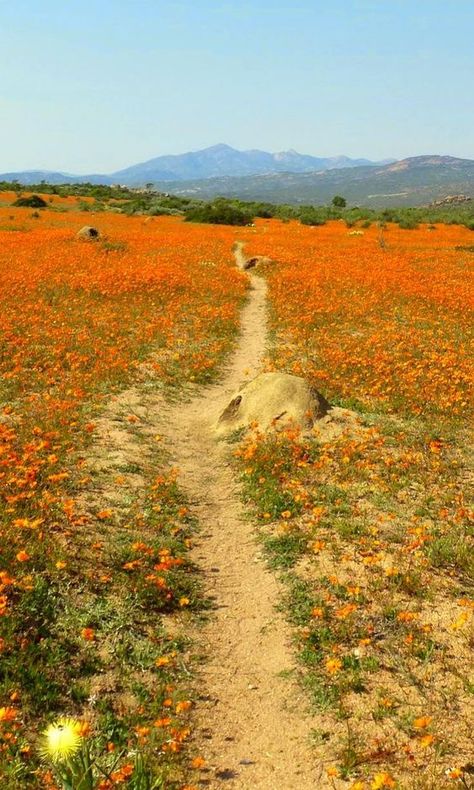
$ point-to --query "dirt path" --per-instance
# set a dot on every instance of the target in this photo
(252, 727)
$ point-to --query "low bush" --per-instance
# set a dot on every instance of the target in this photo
(219, 214)
(310, 218)
(33, 201)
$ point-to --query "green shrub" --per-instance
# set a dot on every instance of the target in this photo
(408, 224)
(33, 201)
(309, 217)
(339, 202)
(219, 214)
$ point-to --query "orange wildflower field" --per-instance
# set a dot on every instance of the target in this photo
(371, 521)
(382, 319)
(367, 521)
(77, 322)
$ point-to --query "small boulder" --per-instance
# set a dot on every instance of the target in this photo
(247, 263)
(257, 260)
(274, 401)
(88, 233)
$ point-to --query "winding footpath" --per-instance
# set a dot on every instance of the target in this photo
(252, 727)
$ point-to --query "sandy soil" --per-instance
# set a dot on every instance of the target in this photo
(252, 724)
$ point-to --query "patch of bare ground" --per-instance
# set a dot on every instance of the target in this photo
(252, 725)
(251, 720)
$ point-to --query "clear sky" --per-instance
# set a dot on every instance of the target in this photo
(96, 85)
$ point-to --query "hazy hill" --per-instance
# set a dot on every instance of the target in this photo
(287, 177)
(53, 177)
(414, 181)
(222, 160)
(219, 160)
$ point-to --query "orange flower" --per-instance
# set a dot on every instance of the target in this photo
(8, 714)
(422, 722)
(22, 556)
(182, 706)
(102, 515)
(381, 780)
(333, 665)
(426, 740)
(164, 722)
(406, 617)
(454, 773)
(88, 634)
(345, 611)
(198, 762)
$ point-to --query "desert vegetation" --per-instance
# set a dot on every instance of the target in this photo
(365, 521)
(228, 211)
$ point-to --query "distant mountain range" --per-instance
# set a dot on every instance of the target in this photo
(415, 181)
(219, 160)
(286, 177)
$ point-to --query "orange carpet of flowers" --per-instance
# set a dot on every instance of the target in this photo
(374, 526)
(383, 321)
(380, 321)
(77, 319)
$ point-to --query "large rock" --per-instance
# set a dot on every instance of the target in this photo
(257, 260)
(88, 233)
(274, 401)
(245, 263)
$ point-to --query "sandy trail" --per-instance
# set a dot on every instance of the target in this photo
(251, 722)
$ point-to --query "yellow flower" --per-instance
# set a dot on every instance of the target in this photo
(382, 780)
(61, 740)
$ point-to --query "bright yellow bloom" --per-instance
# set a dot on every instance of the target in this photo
(61, 740)
(382, 780)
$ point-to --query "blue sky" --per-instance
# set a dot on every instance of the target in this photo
(96, 85)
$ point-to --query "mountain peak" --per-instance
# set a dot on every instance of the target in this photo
(219, 160)
(218, 148)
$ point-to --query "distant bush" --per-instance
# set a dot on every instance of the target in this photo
(157, 209)
(310, 218)
(33, 201)
(339, 202)
(219, 214)
(408, 224)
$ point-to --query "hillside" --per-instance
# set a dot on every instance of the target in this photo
(415, 181)
(216, 161)
(223, 160)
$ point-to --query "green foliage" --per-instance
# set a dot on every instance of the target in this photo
(220, 210)
(219, 213)
(33, 201)
(408, 224)
(310, 217)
